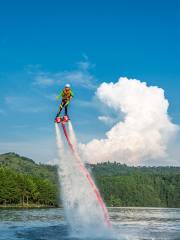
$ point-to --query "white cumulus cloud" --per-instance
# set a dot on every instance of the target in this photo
(145, 131)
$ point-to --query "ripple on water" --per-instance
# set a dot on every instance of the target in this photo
(128, 223)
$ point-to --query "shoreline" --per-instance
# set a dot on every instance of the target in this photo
(29, 206)
(37, 206)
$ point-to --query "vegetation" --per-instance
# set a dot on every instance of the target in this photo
(121, 185)
(26, 183)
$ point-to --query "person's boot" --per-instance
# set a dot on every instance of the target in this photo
(66, 114)
(57, 116)
(68, 117)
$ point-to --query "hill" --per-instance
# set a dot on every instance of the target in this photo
(28, 166)
(26, 183)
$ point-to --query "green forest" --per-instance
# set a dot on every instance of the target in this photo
(25, 183)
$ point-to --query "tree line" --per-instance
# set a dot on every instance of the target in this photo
(24, 182)
(23, 189)
(121, 185)
(140, 190)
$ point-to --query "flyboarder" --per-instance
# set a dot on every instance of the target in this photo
(66, 95)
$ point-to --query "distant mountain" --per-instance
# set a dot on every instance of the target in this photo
(26, 165)
(26, 183)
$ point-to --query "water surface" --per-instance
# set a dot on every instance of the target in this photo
(128, 223)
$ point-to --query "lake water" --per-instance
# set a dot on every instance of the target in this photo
(128, 223)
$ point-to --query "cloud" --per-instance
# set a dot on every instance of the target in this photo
(146, 130)
(43, 81)
(106, 119)
(24, 104)
(84, 65)
(81, 76)
(77, 77)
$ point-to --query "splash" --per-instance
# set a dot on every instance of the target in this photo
(82, 209)
(72, 134)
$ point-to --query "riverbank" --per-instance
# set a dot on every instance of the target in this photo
(25, 206)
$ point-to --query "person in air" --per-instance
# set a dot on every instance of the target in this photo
(66, 95)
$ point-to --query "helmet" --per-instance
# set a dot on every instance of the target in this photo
(67, 85)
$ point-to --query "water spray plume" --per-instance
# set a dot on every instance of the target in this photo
(72, 134)
(84, 208)
(60, 145)
(88, 176)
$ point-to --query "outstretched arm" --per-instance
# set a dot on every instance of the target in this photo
(59, 96)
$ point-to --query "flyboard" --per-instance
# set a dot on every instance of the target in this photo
(63, 121)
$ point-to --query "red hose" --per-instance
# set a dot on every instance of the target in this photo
(88, 176)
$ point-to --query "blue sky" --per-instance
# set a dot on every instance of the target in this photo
(44, 44)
